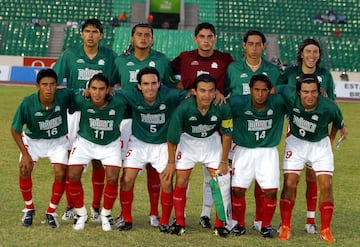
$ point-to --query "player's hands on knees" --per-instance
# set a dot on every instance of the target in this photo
(26, 165)
(169, 171)
(223, 169)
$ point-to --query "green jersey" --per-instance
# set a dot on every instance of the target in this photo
(100, 126)
(291, 74)
(78, 68)
(238, 75)
(150, 122)
(313, 125)
(188, 118)
(253, 128)
(128, 66)
(42, 123)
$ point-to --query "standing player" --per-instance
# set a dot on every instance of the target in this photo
(151, 109)
(78, 65)
(189, 65)
(237, 80)
(44, 114)
(308, 62)
(258, 123)
(194, 129)
(138, 56)
(98, 138)
(309, 143)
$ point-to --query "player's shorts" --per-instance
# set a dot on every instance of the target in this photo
(191, 150)
(56, 150)
(317, 155)
(125, 130)
(260, 163)
(73, 126)
(84, 151)
(141, 153)
(232, 151)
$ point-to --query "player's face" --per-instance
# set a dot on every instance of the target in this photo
(205, 93)
(310, 56)
(91, 36)
(142, 38)
(309, 95)
(149, 87)
(205, 40)
(253, 48)
(259, 94)
(97, 92)
(47, 88)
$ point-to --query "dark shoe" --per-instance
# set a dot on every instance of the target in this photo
(267, 231)
(238, 230)
(27, 219)
(164, 228)
(125, 226)
(178, 230)
(205, 222)
(51, 220)
(221, 231)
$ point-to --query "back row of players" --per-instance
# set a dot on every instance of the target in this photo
(257, 124)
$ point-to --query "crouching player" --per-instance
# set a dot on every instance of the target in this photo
(98, 138)
(200, 121)
(44, 114)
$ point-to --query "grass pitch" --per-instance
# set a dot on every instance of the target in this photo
(345, 221)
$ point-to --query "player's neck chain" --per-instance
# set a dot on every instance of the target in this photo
(47, 107)
(254, 67)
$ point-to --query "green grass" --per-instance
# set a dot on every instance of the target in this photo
(345, 221)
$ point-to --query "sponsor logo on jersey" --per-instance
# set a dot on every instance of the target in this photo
(200, 72)
(86, 74)
(112, 112)
(304, 124)
(258, 125)
(100, 124)
(133, 75)
(92, 111)
(319, 79)
(213, 118)
(246, 89)
(57, 108)
(130, 64)
(195, 63)
(50, 124)
(248, 113)
(315, 117)
(244, 75)
(153, 118)
(80, 60)
(192, 118)
(101, 62)
(140, 107)
(202, 128)
(152, 64)
(270, 112)
(162, 107)
(38, 114)
(214, 65)
(297, 110)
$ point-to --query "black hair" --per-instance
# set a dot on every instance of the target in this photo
(254, 32)
(260, 77)
(93, 22)
(204, 25)
(99, 77)
(204, 78)
(142, 25)
(46, 73)
(306, 42)
(307, 78)
(145, 71)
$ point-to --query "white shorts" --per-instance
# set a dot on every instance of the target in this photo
(125, 130)
(56, 150)
(317, 155)
(141, 153)
(73, 126)
(84, 151)
(191, 150)
(232, 151)
(260, 163)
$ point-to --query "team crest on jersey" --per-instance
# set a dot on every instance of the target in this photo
(101, 62)
(315, 117)
(296, 110)
(270, 112)
(213, 118)
(194, 63)
(214, 65)
(80, 60)
(91, 111)
(244, 75)
(112, 112)
(192, 118)
(152, 64)
(57, 108)
(248, 113)
(162, 107)
(319, 79)
(38, 114)
(130, 64)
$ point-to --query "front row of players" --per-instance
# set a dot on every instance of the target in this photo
(172, 134)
